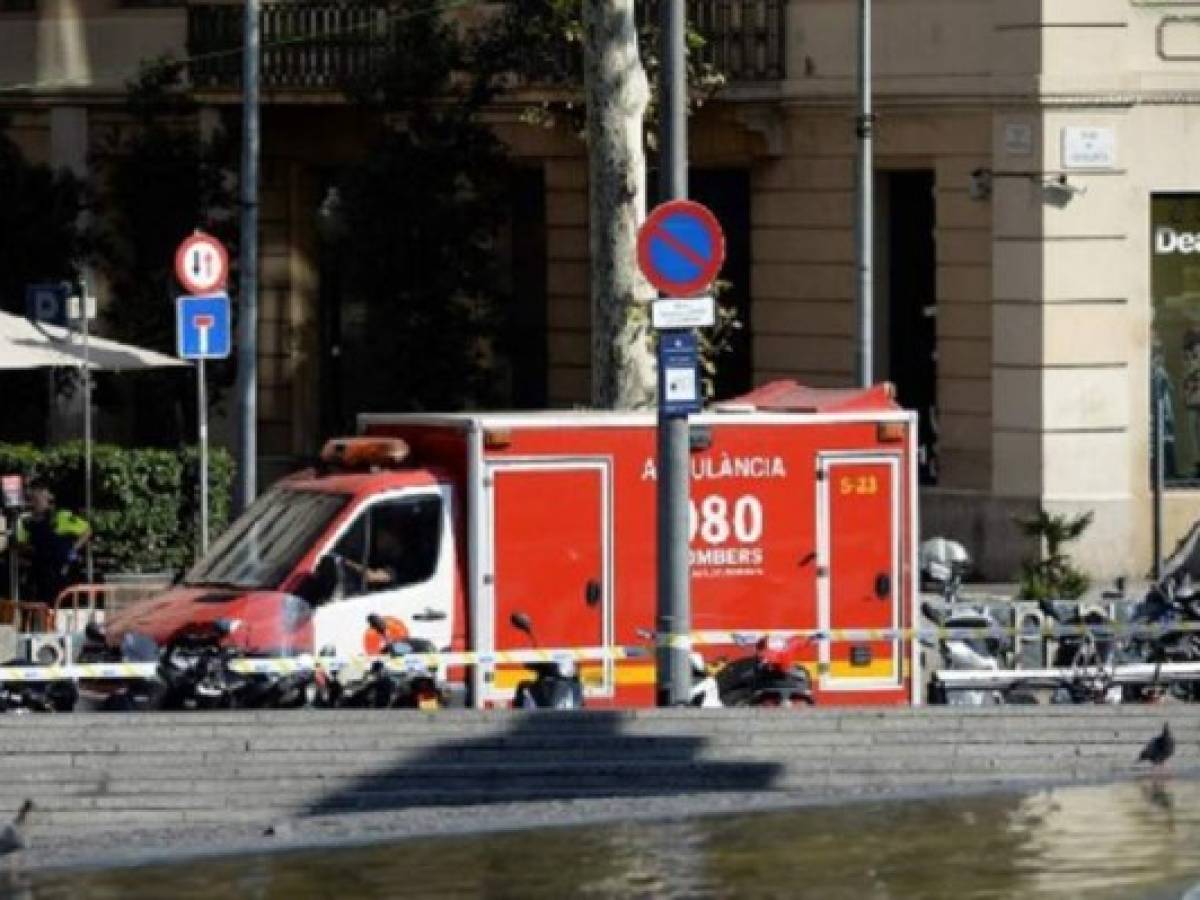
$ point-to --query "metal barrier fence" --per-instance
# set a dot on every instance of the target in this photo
(418, 661)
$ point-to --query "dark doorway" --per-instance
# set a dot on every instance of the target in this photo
(727, 193)
(336, 415)
(909, 271)
(524, 336)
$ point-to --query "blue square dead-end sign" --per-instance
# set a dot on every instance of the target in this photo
(203, 330)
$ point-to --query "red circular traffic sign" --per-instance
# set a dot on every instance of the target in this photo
(681, 248)
(201, 264)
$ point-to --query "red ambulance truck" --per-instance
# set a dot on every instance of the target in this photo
(803, 516)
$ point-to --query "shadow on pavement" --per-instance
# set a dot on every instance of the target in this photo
(548, 755)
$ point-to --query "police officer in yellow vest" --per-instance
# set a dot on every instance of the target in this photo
(53, 539)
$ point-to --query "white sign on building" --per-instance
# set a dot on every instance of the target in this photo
(1091, 147)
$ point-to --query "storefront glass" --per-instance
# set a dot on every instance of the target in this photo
(1175, 353)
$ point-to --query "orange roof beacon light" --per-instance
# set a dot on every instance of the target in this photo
(364, 453)
(497, 438)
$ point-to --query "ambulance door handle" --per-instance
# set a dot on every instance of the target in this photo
(883, 585)
(429, 615)
(592, 593)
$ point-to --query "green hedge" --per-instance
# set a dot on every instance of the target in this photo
(145, 503)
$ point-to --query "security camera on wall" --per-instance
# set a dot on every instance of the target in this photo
(1058, 191)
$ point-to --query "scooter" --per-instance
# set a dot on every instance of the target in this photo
(377, 685)
(555, 684)
(771, 676)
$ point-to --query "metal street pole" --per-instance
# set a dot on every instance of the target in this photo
(247, 378)
(864, 232)
(674, 603)
(202, 435)
(87, 420)
(1158, 445)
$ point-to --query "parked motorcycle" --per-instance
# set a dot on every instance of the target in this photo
(37, 696)
(555, 684)
(192, 672)
(125, 694)
(945, 563)
(1090, 646)
(43, 696)
(375, 685)
(1174, 600)
(771, 676)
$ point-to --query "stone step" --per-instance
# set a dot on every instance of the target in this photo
(132, 738)
(112, 770)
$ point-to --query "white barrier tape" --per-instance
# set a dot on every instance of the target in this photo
(1114, 630)
(12, 674)
(419, 661)
(292, 664)
(674, 641)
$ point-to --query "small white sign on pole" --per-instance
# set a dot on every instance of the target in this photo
(683, 312)
(73, 305)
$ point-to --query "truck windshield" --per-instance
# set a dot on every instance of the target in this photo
(263, 546)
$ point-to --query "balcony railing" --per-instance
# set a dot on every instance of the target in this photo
(744, 39)
(305, 46)
(326, 45)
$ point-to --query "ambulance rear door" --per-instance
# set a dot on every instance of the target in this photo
(859, 567)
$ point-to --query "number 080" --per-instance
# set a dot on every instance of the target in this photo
(713, 522)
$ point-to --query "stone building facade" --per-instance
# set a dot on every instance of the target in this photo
(1021, 146)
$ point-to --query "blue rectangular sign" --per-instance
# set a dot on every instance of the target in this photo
(47, 303)
(202, 327)
(679, 389)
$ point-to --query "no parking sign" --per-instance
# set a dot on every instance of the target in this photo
(681, 248)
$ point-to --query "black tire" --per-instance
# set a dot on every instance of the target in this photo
(524, 697)
(565, 695)
(62, 696)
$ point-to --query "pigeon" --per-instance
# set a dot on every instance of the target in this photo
(278, 829)
(1160, 749)
(11, 838)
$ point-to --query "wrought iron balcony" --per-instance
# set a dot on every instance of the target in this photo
(744, 39)
(323, 45)
(305, 46)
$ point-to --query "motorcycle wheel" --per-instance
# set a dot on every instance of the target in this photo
(565, 696)
(523, 698)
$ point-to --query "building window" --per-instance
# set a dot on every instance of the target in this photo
(1175, 342)
(17, 5)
